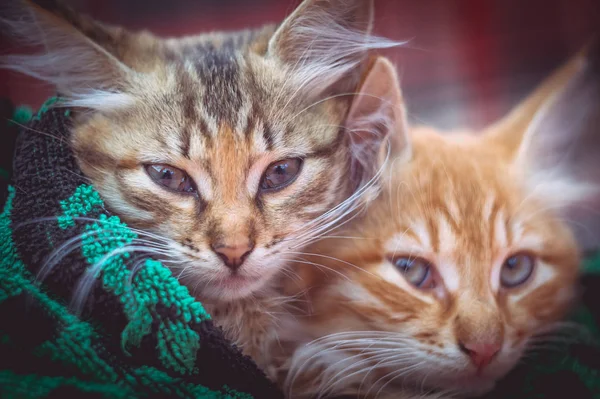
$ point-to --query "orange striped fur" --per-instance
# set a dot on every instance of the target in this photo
(465, 202)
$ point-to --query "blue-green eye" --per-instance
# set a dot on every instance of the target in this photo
(171, 178)
(516, 270)
(417, 271)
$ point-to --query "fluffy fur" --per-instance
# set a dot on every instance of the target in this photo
(464, 202)
(221, 107)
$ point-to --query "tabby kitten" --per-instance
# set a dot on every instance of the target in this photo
(229, 151)
(464, 258)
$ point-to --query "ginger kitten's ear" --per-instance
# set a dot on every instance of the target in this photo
(325, 44)
(559, 146)
(76, 55)
(377, 120)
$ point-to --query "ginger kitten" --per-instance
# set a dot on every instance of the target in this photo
(463, 259)
(228, 151)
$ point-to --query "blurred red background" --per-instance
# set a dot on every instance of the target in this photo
(467, 61)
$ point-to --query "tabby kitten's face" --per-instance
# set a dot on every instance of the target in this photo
(225, 147)
(458, 265)
(230, 185)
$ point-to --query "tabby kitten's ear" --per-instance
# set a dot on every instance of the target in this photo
(325, 43)
(78, 55)
(377, 120)
(554, 137)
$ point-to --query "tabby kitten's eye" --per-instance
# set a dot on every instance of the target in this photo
(280, 174)
(416, 271)
(171, 178)
(516, 270)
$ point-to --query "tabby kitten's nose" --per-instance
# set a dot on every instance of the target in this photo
(233, 255)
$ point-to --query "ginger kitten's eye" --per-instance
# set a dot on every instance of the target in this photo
(171, 178)
(416, 271)
(281, 173)
(516, 269)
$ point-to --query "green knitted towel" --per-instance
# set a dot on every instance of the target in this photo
(139, 335)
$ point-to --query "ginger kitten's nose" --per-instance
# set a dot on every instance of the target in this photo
(481, 354)
(233, 255)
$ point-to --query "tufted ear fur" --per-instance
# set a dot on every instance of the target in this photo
(554, 137)
(77, 55)
(325, 43)
(377, 120)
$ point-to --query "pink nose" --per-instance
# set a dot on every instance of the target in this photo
(233, 256)
(481, 354)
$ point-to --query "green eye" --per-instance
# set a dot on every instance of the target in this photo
(417, 271)
(280, 174)
(171, 178)
(516, 270)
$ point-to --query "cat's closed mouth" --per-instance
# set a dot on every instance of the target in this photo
(233, 281)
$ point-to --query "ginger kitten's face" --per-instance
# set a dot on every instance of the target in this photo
(450, 273)
(457, 267)
(223, 149)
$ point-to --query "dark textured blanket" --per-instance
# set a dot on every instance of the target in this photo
(567, 365)
(138, 335)
(142, 335)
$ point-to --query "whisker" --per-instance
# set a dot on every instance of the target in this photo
(332, 258)
(320, 267)
(58, 138)
(360, 347)
(91, 274)
(89, 219)
(398, 374)
(383, 360)
(331, 220)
